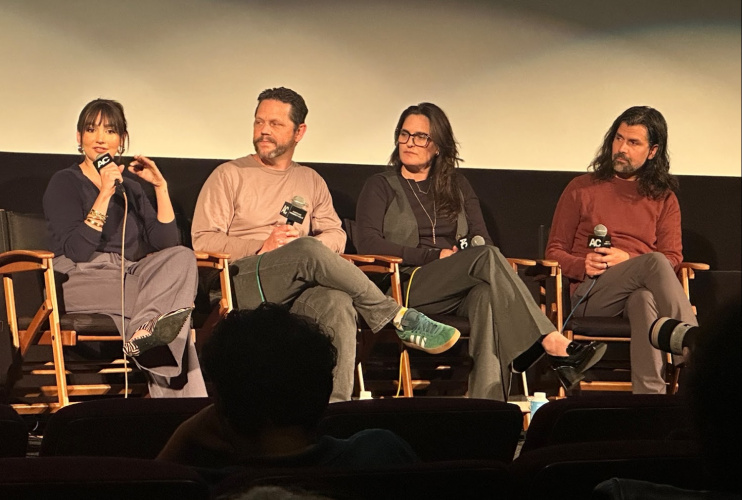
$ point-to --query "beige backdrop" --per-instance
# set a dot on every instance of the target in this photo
(527, 84)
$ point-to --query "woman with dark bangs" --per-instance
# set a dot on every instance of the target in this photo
(105, 231)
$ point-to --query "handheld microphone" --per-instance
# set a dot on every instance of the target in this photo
(600, 238)
(294, 210)
(101, 161)
(470, 241)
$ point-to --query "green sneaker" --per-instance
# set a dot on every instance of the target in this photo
(420, 332)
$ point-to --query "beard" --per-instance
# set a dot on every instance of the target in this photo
(623, 167)
(277, 151)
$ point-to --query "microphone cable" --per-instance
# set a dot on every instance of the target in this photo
(578, 303)
(123, 310)
(406, 306)
(602, 232)
(257, 278)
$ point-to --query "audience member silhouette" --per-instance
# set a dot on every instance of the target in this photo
(273, 375)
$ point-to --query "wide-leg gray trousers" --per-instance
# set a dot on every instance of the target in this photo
(321, 285)
(478, 283)
(159, 283)
(641, 289)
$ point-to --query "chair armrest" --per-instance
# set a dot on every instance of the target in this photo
(214, 260)
(390, 259)
(24, 260)
(210, 255)
(697, 266)
(547, 263)
(687, 272)
(521, 262)
(358, 259)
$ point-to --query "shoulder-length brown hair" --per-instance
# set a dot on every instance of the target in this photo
(444, 182)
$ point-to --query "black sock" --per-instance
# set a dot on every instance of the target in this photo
(528, 357)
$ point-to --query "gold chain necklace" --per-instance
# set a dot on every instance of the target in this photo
(432, 220)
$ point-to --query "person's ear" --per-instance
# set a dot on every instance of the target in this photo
(300, 130)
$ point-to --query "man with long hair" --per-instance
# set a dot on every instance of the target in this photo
(631, 192)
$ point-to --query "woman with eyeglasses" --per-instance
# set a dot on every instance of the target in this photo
(110, 241)
(419, 209)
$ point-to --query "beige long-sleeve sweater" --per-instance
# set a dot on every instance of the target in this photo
(240, 203)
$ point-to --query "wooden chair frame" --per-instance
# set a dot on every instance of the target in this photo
(686, 273)
(387, 264)
(44, 328)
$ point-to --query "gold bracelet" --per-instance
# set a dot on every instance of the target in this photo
(94, 214)
(94, 222)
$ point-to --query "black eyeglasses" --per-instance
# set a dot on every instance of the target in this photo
(419, 139)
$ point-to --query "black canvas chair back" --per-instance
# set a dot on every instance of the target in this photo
(136, 427)
(614, 417)
(573, 470)
(45, 372)
(438, 429)
(19, 231)
(111, 478)
(28, 231)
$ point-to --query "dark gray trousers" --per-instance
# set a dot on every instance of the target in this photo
(159, 283)
(641, 289)
(321, 285)
(479, 284)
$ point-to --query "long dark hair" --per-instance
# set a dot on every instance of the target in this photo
(654, 176)
(444, 183)
(111, 112)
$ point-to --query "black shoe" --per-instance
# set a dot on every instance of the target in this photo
(570, 369)
(163, 330)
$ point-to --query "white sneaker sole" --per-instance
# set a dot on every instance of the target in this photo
(441, 348)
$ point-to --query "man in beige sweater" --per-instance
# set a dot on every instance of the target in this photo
(240, 211)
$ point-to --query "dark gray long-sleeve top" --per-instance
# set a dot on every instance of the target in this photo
(374, 201)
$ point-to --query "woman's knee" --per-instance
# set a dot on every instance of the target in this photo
(480, 294)
(178, 263)
(180, 255)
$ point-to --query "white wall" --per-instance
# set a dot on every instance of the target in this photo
(529, 84)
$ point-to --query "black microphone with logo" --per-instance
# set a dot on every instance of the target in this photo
(294, 210)
(600, 238)
(470, 240)
(101, 161)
